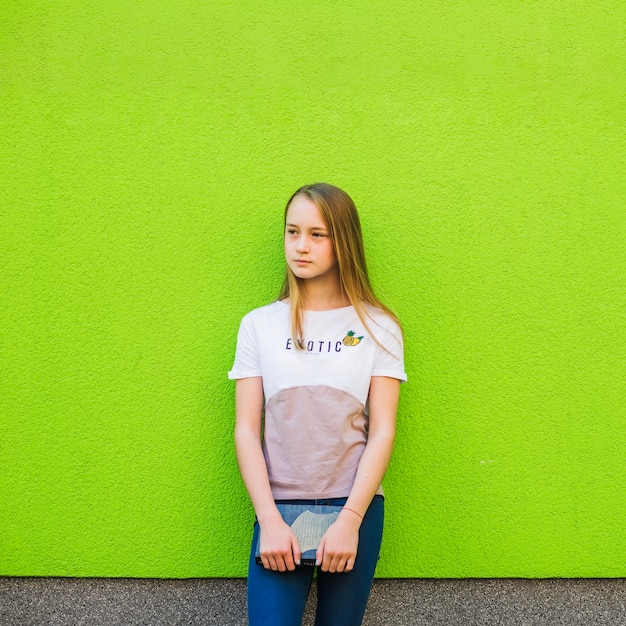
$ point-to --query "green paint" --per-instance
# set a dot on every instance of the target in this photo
(148, 149)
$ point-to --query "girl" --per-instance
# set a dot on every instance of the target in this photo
(318, 378)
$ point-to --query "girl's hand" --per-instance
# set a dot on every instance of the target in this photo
(337, 550)
(279, 547)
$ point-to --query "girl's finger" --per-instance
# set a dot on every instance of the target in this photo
(319, 555)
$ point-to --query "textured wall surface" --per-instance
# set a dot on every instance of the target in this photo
(147, 151)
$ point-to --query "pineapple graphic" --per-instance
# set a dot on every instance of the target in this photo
(351, 340)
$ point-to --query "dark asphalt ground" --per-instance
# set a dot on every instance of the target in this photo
(221, 602)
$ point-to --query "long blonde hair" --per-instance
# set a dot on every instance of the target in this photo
(344, 229)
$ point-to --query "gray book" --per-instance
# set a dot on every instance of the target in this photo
(309, 522)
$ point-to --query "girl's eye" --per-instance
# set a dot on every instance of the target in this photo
(319, 235)
(291, 231)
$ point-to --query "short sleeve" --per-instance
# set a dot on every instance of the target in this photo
(390, 361)
(247, 363)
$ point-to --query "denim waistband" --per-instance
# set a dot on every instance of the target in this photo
(322, 501)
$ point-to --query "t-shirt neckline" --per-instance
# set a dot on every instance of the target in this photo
(341, 308)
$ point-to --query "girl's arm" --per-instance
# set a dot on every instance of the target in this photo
(337, 550)
(279, 546)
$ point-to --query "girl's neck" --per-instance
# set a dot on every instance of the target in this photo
(326, 304)
(321, 298)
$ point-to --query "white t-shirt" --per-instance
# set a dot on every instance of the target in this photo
(315, 424)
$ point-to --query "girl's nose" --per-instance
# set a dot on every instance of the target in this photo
(301, 244)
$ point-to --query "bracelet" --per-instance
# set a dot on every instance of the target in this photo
(345, 508)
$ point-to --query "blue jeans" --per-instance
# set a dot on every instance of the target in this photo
(278, 598)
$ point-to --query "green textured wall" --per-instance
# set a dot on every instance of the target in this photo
(147, 151)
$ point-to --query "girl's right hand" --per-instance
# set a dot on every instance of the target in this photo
(279, 547)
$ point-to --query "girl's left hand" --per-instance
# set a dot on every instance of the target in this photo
(337, 550)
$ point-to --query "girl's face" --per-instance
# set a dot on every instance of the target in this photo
(309, 251)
